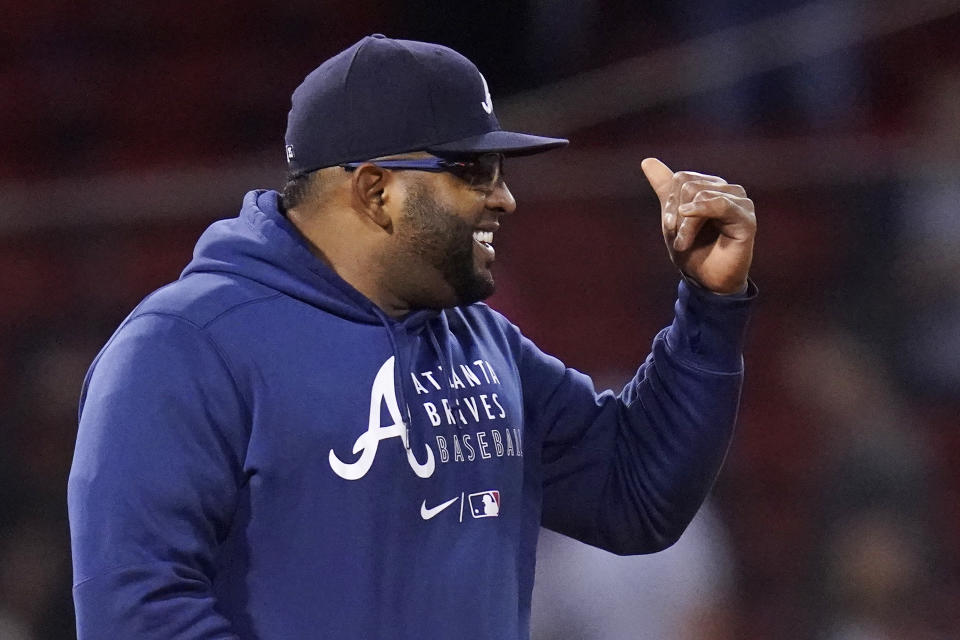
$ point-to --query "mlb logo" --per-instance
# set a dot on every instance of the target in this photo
(289, 150)
(485, 504)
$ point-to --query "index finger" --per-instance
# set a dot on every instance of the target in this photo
(660, 178)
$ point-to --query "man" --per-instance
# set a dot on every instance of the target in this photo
(319, 431)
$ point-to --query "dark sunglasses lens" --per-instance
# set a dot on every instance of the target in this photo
(481, 172)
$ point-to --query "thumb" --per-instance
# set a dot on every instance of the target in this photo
(659, 176)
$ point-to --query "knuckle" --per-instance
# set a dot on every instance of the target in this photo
(721, 206)
(695, 175)
(705, 194)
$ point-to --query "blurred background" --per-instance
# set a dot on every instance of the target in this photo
(126, 128)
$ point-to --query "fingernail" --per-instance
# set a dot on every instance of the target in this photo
(686, 208)
(668, 219)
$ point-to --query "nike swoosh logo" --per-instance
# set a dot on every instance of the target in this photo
(426, 514)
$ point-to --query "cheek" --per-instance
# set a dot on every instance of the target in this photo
(467, 215)
(442, 217)
(455, 197)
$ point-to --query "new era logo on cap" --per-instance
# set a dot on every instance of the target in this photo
(383, 96)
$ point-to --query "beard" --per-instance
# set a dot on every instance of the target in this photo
(442, 241)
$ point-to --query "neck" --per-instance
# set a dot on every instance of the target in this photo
(333, 240)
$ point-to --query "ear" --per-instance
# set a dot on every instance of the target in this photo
(371, 190)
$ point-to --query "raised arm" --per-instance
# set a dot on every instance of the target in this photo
(627, 473)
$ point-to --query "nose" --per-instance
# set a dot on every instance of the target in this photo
(501, 199)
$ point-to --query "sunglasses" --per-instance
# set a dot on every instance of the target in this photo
(483, 172)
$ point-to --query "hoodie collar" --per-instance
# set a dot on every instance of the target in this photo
(261, 244)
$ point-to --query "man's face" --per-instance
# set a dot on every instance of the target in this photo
(446, 236)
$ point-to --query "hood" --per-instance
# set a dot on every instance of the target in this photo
(261, 244)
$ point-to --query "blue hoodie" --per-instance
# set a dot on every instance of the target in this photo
(263, 453)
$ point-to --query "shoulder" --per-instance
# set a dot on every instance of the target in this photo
(177, 319)
(167, 338)
(480, 323)
(202, 298)
(481, 318)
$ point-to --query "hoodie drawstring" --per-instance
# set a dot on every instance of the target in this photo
(403, 366)
(400, 368)
(445, 356)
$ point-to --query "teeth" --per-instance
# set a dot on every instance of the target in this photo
(483, 236)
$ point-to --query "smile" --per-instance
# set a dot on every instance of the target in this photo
(483, 241)
(484, 237)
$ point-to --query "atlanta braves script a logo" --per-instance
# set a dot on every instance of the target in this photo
(366, 445)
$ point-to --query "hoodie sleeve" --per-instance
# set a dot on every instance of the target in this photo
(627, 473)
(154, 482)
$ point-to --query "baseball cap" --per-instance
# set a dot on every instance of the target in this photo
(383, 96)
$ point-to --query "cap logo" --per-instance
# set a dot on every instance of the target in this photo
(289, 152)
(487, 103)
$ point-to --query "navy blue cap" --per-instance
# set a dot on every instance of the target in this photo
(383, 96)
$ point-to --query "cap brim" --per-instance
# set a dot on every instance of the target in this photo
(508, 143)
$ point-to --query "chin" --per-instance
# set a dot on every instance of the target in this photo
(479, 289)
